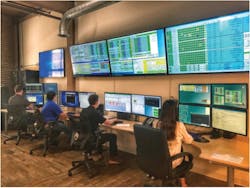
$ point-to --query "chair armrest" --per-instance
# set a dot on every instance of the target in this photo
(182, 155)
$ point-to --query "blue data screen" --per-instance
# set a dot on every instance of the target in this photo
(90, 59)
(36, 98)
(215, 45)
(142, 53)
(69, 98)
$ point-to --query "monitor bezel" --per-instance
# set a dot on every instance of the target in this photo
(132, 75)
(144, 115)
(118, 94)
(200, 20)
(61, 102)
(91, 75)
(230, 109)
(39, 63)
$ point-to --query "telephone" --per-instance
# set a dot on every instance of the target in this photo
(148, 122)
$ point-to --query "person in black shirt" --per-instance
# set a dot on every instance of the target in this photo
(95, 119)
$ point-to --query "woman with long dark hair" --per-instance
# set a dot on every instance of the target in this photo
(175, 131)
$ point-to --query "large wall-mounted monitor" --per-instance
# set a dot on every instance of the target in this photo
(194, 115)
(146, 105)
(229, 95)
(69, 98)
(36, 98)
(195, 94)
(138, 54)
(117, 102)
(51, 63)
(84, 98)
(234, 121)
(90, 59)
(214, 45)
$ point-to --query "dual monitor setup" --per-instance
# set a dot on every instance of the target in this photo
(213, 45)
(220, 106)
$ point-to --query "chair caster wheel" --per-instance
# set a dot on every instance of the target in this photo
(31, 152)
(4, 142)
(69, 173)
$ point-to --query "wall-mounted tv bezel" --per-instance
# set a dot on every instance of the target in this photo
(91, 75)
(143, 74)
(153, 96)
(63, 63)
(197, 21)
(117, 94)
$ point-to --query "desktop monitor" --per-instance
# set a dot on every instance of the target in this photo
(234, 121)
(50, 87)
(84, 98)
(90, 59)
(36, 98)
(213, 45)
(69, 98)
(33, 88)
(117, 102)
(194, 94)
(194, 115)
(146, 105)
(138, 54)
(51, 63)
(229, 95)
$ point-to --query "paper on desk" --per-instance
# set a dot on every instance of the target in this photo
(227, 157)
(122, 125)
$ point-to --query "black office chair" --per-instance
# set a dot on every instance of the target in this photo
(90, 144)
(23, 123)
(45, 131)
(153, 155)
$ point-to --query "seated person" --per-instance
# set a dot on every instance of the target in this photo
(52, 112)
(95, 119)
(175, 131)
(20, 103)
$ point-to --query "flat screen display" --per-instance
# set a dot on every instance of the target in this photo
(50, 87)
(69, 98)
(195, 94)
(146, 105)
(90, 59)
(36, 98)
(194, 115)
(230, 120)
(33, 88)
(138, 54)
(117, 102)
(214, 45)
(230, 95)
(84, 99)
(51, 63)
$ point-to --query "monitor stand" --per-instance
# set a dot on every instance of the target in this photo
(215, 134)
(228, 135)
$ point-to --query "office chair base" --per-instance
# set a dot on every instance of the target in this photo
(86, 162)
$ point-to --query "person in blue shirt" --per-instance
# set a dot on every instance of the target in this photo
(52, 112)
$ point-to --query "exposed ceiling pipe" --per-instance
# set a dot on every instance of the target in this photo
(78, 11)
(28, 9)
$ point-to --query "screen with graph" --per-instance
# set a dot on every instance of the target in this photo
(90, 59)
(214, 45)
(138, 54)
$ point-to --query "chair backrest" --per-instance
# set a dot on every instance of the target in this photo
(152, 151)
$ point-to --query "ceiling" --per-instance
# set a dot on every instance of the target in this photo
(20, 9)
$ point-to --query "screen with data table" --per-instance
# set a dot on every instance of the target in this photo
(230, 95)
(230, 120)
(138, 54)
(117, 102)
(194, 115)
(90, 59)
(195, 93)
(214, 45)
(84, 98)
(146, 105)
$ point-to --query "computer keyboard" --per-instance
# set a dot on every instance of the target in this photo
(198, 138)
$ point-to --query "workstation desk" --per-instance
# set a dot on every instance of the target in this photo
(230, 153)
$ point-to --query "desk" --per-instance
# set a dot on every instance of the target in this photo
(221, 146)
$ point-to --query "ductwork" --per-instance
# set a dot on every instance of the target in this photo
(78, 11)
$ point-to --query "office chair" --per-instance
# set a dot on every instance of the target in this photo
(45, 131)
(90, 143)
(153, 156)
(23, 123)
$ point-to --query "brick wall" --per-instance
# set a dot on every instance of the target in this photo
(8, 50)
